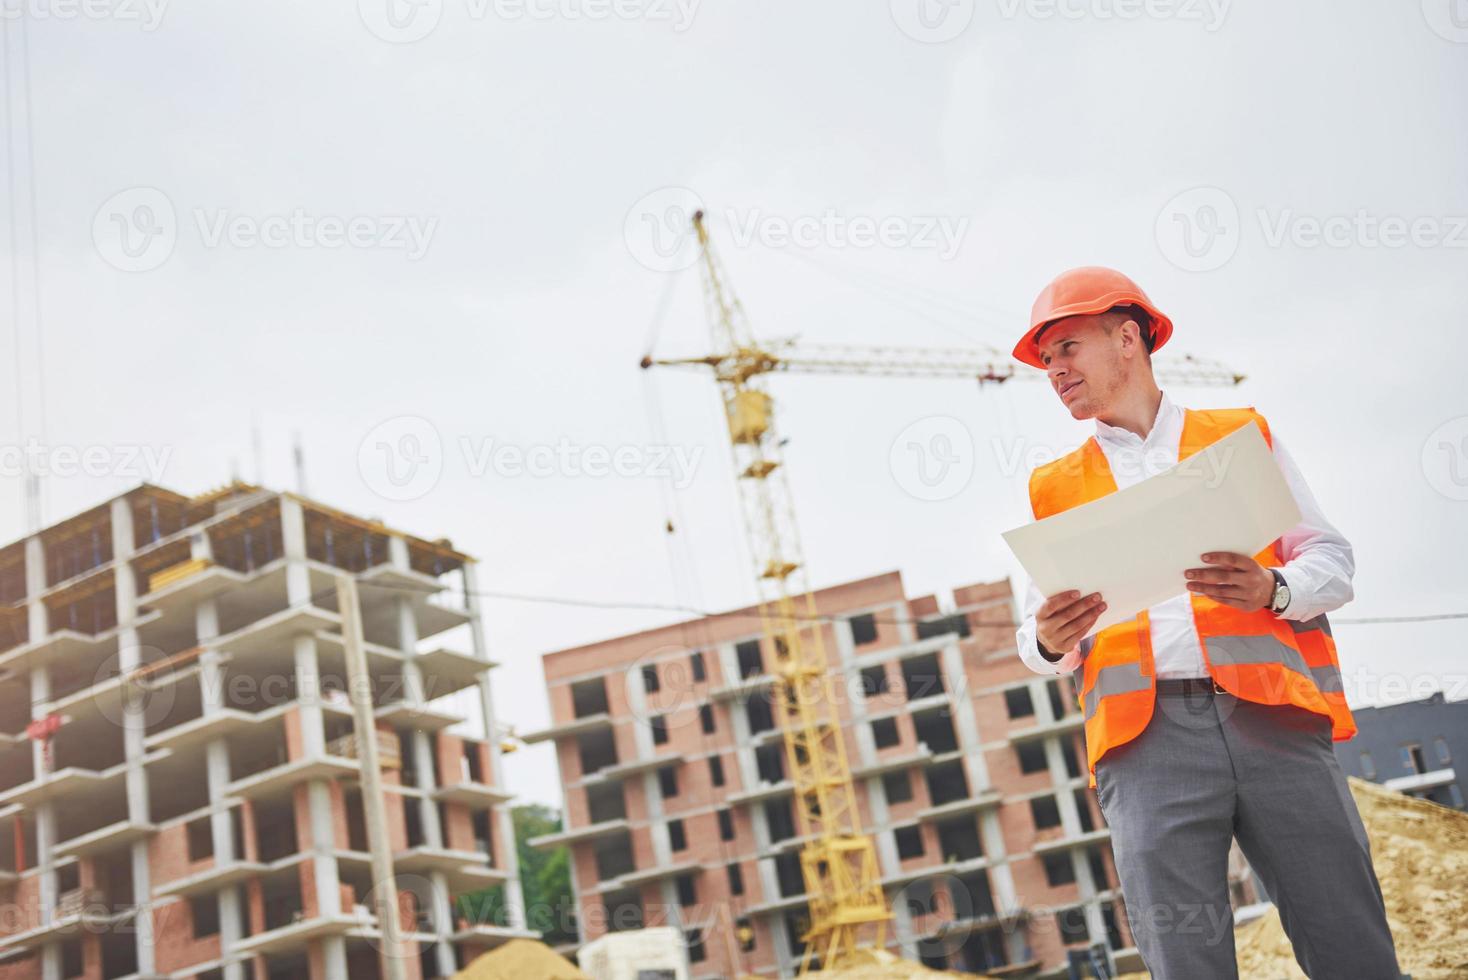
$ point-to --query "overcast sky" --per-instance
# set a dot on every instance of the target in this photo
(443, 228)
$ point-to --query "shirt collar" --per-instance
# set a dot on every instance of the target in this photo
(1166, 428)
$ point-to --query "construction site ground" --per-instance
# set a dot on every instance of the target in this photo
(1421, 854)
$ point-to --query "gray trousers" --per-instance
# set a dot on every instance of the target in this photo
(1211, 767)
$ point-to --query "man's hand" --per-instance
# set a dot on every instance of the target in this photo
(1234, 580)
(1065, 618)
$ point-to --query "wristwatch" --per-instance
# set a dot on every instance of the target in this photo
(1281, 598)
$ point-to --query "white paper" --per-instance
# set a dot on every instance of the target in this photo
(1133, 546)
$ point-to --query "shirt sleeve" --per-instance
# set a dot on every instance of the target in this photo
(1029, 645)
(1319, 562)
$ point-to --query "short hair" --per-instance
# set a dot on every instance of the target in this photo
(1143, 320)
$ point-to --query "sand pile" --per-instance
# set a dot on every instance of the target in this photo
(1420, 851)
(884, 966)
(520, 959)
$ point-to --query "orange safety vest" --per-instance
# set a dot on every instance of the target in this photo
(1256, 655)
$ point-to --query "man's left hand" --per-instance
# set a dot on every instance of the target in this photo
(1234, 580)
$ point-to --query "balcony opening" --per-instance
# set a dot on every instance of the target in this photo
(788, 875)
(947, 783)
(922, 676)
(606, 802)
(473, 770)
(597, 750)
(275, 829)
(624, 910)
(971, 896)
(935, 730)
(119, 953)
(614, 857)
(897, 786)
(780, 820)
(769, 761)
(959, 840)
(759, 714)
(983, 951)
(282, 901)
(589, 697)
(479, 823)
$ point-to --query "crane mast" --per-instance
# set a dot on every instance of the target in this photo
(848, 909)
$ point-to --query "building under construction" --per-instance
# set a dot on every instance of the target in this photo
(179, 792)
(969, 771)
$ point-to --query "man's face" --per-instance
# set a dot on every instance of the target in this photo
(1086, 365)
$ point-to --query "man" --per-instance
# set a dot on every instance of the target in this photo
(1211, 715)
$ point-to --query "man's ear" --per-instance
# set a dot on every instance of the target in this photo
(1131, 337)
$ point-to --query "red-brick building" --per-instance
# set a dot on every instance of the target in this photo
(969, 770)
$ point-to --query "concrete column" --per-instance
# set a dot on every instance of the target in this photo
(216, 759)
(443, 924)
(293, 544)
(308, 695)
(35, 584)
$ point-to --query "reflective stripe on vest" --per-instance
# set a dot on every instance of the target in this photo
(1231, 651)
(1116, 679)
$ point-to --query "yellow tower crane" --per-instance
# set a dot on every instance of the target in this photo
(848, 910)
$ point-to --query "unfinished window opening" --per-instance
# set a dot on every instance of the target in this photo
(589, 697)
(1031, 756)
(971, 896)
(1057, 699)
(909, 841)
(1059, 869)
(687, 889)
(668, 782)
(1045, 812)
(677, 835)
(275, 829)
(947, 783)
(884, 733)
(697, 667)
(1083, 810)
(650, 682)
(863, 629)
(897, 787)
(959, 840)
(659, 726)
(736, 879)
(751, 663)
(922, 676)
(716, 770)
(726, 825)
(935, 730)
(874, 681)
(1018, 703)
(624, 910)
(483, 833)
(1072, 923)
(769, 761)
(706, 718)
(941, 625)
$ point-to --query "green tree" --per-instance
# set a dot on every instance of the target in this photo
(545, 879)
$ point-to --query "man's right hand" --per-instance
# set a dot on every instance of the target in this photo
(1064, 619)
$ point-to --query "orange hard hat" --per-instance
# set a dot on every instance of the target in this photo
(1089, 289)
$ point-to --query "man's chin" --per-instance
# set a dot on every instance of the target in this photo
(1080, 409)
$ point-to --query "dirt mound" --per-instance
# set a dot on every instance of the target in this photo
(884, 966)
(520, 959)
(1420, 850)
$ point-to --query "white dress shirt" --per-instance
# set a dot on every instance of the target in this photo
(1318, 560)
